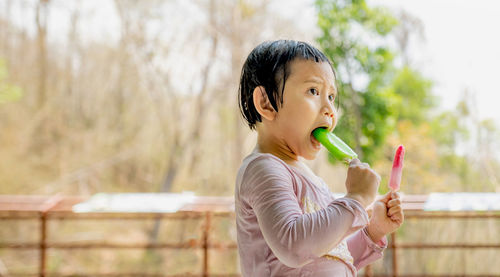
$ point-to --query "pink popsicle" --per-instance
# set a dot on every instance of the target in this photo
(397, 169)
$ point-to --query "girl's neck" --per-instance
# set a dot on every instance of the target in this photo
(267, 145)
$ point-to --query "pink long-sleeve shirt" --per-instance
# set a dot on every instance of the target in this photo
(289, 224)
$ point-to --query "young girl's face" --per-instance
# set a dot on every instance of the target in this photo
(308, 103)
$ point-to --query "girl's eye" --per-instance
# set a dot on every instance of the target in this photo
(314, 91)
(331, 97)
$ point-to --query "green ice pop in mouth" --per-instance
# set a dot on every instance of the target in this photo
(339, 149)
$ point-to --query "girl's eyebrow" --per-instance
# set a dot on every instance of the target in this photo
(319, 82)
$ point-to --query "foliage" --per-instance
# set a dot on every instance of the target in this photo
(8, 92)
(349, 31)
(383, 105)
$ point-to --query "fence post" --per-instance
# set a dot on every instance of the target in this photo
(206, 233)
(44, 211)
(43, 242)
(395, 272)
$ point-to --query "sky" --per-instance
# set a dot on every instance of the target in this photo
(461, 50)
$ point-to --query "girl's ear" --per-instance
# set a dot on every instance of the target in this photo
(262, 103)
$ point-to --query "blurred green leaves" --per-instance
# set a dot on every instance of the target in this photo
(352, 35)
(384, 102)
(8, 92)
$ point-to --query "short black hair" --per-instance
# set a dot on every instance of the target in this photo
(268, 66)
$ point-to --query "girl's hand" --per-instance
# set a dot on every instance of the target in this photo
(386, 217)
(362, 182)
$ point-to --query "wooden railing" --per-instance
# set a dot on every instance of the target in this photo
(47, 209)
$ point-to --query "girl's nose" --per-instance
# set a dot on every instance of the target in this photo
(328, 109)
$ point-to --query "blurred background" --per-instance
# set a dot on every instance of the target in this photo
(141, 96)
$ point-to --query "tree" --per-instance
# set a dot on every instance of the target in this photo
(352, 37)
(374, 92)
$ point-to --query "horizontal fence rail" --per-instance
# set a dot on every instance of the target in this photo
(45, 209)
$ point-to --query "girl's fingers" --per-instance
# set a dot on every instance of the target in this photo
(394, 210)
(397, 215)
(395, 195)
(398, 218)
(394, 202)
(391, 195)
(386, 198)
(354, 162)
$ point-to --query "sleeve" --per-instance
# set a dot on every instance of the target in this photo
(296, 238)
(363, 250)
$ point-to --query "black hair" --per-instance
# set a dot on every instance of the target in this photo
(268, 66)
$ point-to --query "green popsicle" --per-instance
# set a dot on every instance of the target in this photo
(335, 145)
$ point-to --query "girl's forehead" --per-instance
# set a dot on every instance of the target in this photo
(305, 68)
(302, 70)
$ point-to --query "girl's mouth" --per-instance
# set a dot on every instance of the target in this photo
(315, 142)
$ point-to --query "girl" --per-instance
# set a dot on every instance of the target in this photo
(288, 223)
